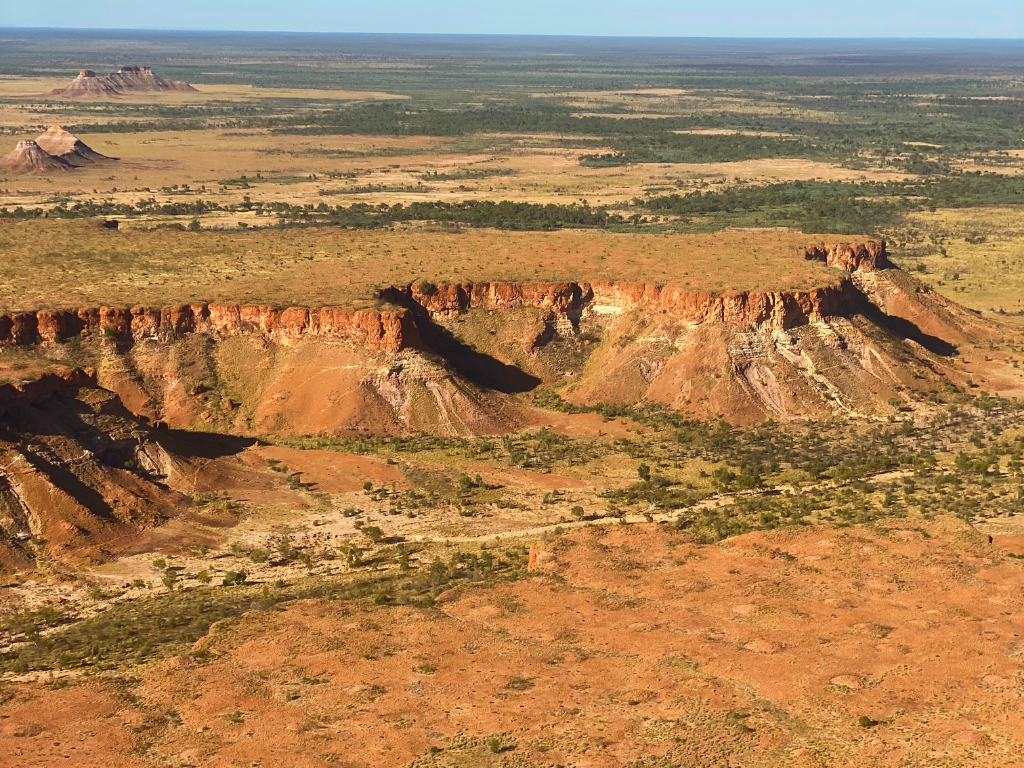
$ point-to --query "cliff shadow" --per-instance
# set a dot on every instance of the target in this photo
(72, 485)
(481, 369)
(904, 329)
(201, 445)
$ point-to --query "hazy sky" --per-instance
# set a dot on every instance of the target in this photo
(716, 18)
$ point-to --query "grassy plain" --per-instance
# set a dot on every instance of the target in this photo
(81, 264)
(976, 256)
(374, 169)
(35, 88)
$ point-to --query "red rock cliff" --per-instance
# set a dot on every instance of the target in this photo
(865, 257)
(389, 331)
(451, 299)
(778, 309)
(753, 309)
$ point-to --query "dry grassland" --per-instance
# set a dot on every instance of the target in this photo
(659, 102)
(53, 263)
(983, 266)
(375, 169)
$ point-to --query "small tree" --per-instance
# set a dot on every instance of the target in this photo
(232, 578)
(373, 533)
(286, 549)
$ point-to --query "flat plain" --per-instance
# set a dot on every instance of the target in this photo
(86, 265)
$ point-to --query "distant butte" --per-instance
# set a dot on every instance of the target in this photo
(54, 150)
(29, 157)
(65, 146)
(127, 79)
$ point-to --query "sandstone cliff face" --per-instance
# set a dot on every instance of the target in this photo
(451, 299)
(393, 331)
(388, 331)
(862, 257)
(754, 309)
(751, 309)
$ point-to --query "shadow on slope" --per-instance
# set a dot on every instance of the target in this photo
(479, 368)
(66, 480)
(905, 329)
(201, 445)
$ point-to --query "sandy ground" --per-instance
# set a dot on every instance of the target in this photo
(765, 649)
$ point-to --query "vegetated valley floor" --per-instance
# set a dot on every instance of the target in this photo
(531, 540)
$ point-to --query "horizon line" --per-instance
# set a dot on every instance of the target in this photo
(512, 34)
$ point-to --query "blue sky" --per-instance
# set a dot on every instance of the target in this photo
(682, 18)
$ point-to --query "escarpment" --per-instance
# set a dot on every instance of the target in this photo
(862, 257)
(397, 330)
(752, 309)
(778, 310)
(451, 358)
(388, 331)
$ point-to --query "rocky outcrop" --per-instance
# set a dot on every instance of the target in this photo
(570, 300)
(29, 157)
(65, 146)
(861, 257)
(451, 299)
(127, 79)
(388, 331)
(44, 386)
(79, 474)
(87, 86)
(777, 309)
(134, 78)
(54, 150)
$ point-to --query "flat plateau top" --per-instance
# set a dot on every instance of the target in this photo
(76, 263)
